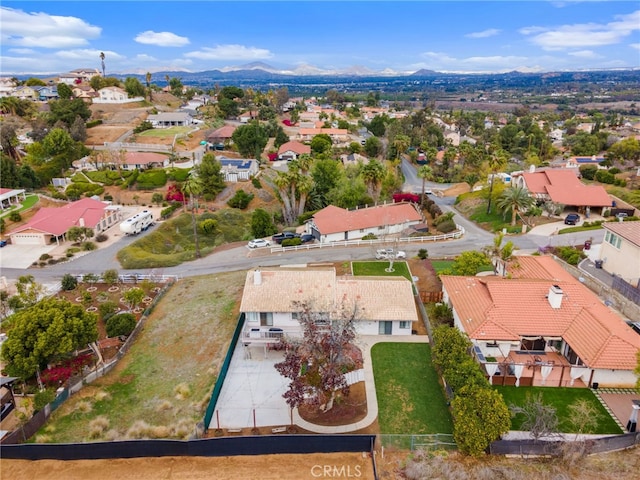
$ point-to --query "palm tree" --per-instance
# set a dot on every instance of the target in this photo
(500, 254)
(401, 143)
(425, 173)
(102, 61)
(148, 79)
(372, 174)
(193, 187)
(515, 199)
(497, 160)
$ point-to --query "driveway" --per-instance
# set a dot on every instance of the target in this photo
(22, 256)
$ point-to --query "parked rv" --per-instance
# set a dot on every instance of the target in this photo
(137, 223)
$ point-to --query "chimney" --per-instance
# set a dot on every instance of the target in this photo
(81, 222)
(257, 277)
(555, 296)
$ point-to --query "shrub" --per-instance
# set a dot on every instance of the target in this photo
(423, 254)
(69, 282)
(108, 198)
(15, 217)
(605, 177)
(110, 276)
(93, 123)
(45, 256)
(146, 125)
(166, 212)
(122, 324)
(240, 200)
(102, 237)
(42, 399)
(291, 242)
(370, 236)
(107, 309)
(256, 182)
(446, 226)
(88, 246)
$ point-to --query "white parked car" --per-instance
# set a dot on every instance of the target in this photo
(258, 242)
(388, 254)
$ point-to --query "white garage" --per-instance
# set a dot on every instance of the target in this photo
(29, 238)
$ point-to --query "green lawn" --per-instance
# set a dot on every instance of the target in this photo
(165, 132)
(410, 399)
(560, 398)
(440, 265)
(25, 204)
(378, 269)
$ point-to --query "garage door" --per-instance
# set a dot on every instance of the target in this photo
(27, 239)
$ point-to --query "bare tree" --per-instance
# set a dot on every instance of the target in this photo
(540, 420)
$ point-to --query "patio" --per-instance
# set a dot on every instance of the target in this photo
(535, 366)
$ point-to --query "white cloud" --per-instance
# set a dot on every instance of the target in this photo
(635, 45)
(584, 54)
(583, 35)
(22, 51)
(88, 56)
(161, 39)
(230, 52)
(491, 32)
(445, 62)
(43, 30)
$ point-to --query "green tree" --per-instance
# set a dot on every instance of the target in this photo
(58, 142)
(515, 199)
(240, 200)
(321, 143)
(78, 130)
(157, 198)
(497, 160)
(280, 137)
(401, 143)
(378, 125)
(449, 346)
(69, 282)
(250, 140)
(133, 87)
(147, 78)
(262, 224)
(425, 173)
(133, 297)
(469, 263)
(50, 329)
(29, 291)
(293, 188)
(480, 417)
(373, 173)
(193, 187)
(210, 173)
(121, 324)
(326, 174)
(110, 277)
(373, 147)
(209, 226)
(66, 111)
(79, 234)
(64, 91)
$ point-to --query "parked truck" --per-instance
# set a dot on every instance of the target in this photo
(137, 223)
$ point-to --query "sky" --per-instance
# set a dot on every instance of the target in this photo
(42, 37)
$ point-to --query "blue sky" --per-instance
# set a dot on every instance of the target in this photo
(454, 36)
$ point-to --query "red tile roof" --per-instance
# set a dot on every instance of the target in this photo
(630, 231)
(334, 219)
(56, 221)
(296, 147)
(144, 158)
(497, 308)
(563, 187)
(223, 132)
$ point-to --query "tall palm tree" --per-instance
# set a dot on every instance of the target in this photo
(425, 173)
(102, 61)
(515, 199)
(372, 174)
(148, 79)
(193, 187)
(497, 160)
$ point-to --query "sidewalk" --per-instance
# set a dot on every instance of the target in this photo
(367, 342)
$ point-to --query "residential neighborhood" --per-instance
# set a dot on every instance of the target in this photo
(273, 265)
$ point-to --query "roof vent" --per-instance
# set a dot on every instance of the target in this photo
(257, 277)
(555, 296)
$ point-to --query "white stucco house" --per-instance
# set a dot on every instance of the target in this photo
(114, 95)
(271, 299)
(620, 251)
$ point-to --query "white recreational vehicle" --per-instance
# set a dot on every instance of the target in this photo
(137, 223)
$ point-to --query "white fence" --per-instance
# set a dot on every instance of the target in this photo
(354, 376)
(359, 243)
(147, 147)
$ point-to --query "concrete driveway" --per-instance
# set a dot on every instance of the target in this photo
(22, 256)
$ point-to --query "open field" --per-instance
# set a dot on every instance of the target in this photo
(161, 387)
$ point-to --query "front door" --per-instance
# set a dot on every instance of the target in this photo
(384, 327)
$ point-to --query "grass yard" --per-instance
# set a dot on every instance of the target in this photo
(25, 204)
(161, 387)
(378, 269)
(165, 132)
(440, 265)
(410, 399)
(560, 398)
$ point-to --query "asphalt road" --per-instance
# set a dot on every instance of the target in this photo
(242, 258)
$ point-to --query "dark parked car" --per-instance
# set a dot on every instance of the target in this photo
(572, 219)
(279, 237)
(3, 243)
(307, 237)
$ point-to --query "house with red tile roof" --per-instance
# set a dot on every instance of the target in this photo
(222, 134)
(50, 225)
(292, 150)
(336, 134)
(271, 295)
(620, 250)
(540, 321)
(333, 224)
(562, 186)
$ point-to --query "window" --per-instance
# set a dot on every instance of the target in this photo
(405, 324)
(613, 239)
(384, 327)
(266, 319)
(492, 344)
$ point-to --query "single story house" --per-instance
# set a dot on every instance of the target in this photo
(51, 224)
(170, 119)
(562, 186)
(11, 196)
(292, 150)
(336, 134)
(144, 160)
(246, 117)
(222, 135)
(333, 224)
(236, 169)
(620, 251)
(272, 296)
(543, 325)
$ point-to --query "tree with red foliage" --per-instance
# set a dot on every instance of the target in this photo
(406, 197)
(174, 194)
(315, 364)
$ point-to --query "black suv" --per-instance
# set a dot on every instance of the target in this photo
(572, 219)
